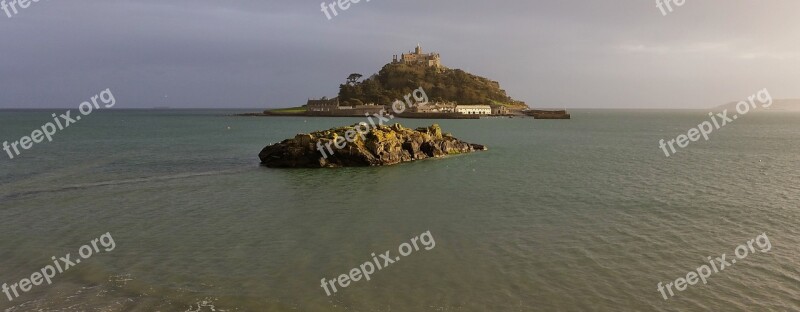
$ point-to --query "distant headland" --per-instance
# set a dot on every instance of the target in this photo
(454, 93)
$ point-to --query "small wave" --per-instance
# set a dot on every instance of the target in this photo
(117, 182)
(206, 304)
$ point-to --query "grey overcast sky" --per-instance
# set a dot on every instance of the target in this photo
(260, 54)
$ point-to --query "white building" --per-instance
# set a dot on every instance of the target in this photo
(474, 109)
(435, 108)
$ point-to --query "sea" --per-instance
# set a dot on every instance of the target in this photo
(586, 214)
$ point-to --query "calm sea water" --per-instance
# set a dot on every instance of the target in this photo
(579, 215)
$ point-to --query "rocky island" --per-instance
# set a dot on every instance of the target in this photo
(380, 146)
(450, 93)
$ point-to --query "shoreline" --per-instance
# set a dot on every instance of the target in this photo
(406, 115)
(403, 116)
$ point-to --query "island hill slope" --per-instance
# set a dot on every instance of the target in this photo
(441, 84)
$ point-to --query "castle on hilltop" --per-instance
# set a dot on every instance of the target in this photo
(430, 59)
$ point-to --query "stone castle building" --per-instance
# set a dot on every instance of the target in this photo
(417, 57)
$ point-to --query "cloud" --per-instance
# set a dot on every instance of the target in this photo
(692, 48)
(254, 53)
(781, 56)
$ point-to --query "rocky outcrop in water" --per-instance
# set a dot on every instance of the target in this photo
(379, 146)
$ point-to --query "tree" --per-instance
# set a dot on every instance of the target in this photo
(394, 81)
(353, 78)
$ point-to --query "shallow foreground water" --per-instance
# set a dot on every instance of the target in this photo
(579, 215)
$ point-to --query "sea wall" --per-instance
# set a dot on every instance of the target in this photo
(355, 112)
(438, 116)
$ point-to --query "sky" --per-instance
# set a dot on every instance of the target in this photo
(270, 53)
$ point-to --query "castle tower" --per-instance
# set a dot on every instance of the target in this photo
(417, 57)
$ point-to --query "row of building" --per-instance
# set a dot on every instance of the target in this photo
(462, 109)
(332, 106)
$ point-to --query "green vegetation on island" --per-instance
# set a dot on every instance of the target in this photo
(441, 84)
(290, 110)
